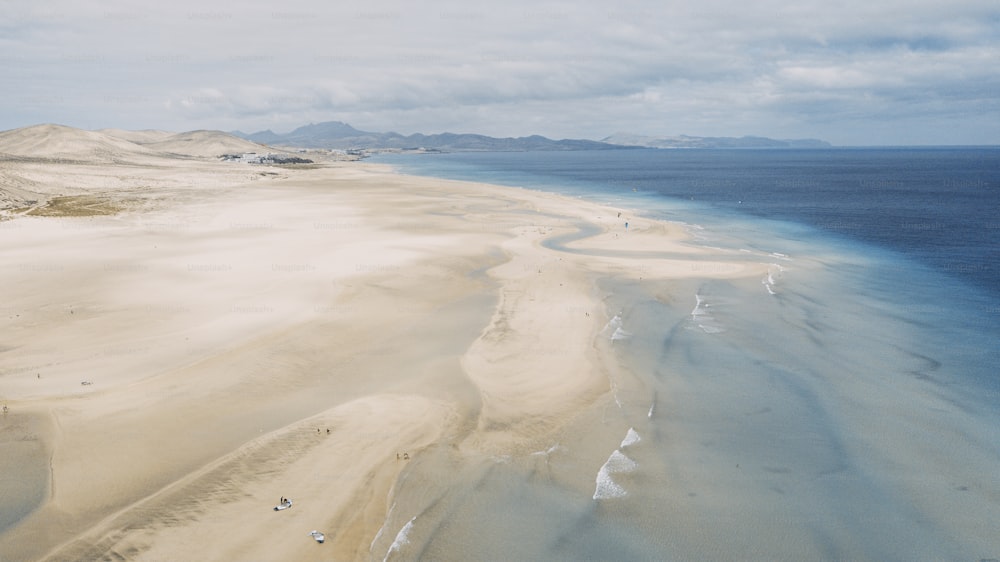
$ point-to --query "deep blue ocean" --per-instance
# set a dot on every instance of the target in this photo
(939, 206)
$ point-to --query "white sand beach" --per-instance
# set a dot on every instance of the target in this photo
(188, 340)
(428, 369)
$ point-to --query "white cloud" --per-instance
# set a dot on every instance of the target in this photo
(844, 71)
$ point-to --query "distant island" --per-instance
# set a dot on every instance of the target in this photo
(685, 141)
(338, 135)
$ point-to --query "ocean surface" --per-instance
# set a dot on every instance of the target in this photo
(940, 206)
(844, 406)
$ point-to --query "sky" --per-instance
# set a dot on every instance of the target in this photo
(872, 72)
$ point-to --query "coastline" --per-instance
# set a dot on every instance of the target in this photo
(396, 312)
(444, 369)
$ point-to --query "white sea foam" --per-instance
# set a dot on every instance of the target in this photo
(621, 335)
(607, 488)
(631, 438)
(612, 324)
(702, 318)
(548, 451)
(402, 539)
(698, 309)
(768, 283)
(619, 462)
(616, 329)
(768, 280)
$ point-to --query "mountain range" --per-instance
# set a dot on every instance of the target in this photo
(338, 135)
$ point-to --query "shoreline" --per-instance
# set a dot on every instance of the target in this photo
(238, 339)
(414, 360)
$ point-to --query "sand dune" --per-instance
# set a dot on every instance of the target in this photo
(138, 137)
(61, 142)
(45, 161)
(117, 146)
(205, 144)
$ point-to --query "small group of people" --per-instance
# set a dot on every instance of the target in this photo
(405, 456)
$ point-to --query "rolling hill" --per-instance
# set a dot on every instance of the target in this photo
(59, 142)
(205, 144)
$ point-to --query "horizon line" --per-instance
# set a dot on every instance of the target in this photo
(831, 145)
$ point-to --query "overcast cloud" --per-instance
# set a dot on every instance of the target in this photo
(851, 72)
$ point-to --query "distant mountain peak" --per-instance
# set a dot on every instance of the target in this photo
(328, 128)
